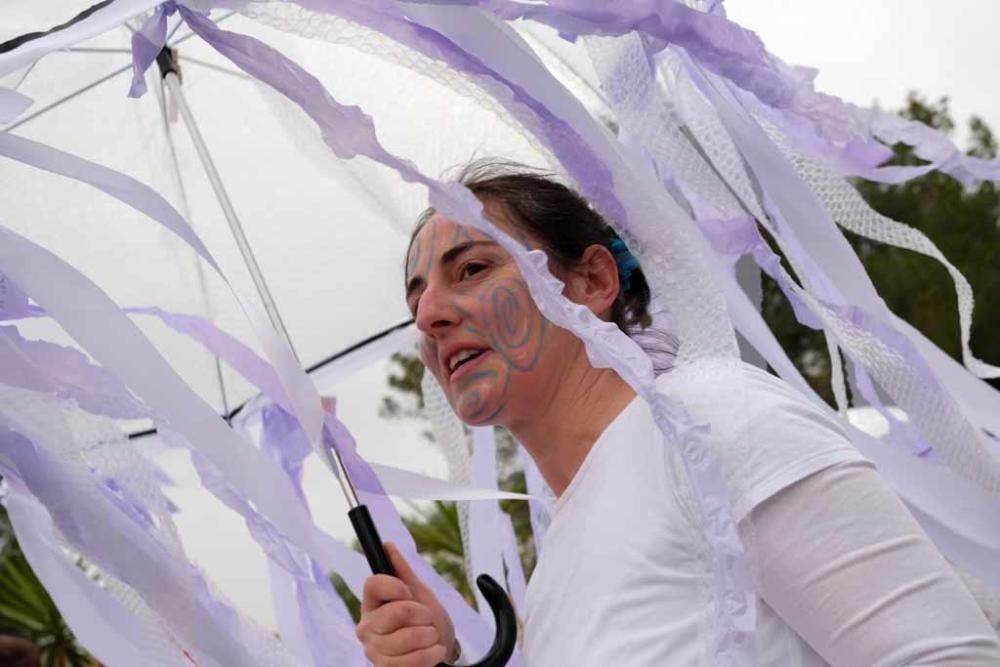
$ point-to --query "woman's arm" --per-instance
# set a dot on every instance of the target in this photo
(840, 558)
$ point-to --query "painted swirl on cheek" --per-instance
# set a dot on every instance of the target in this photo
(515, 330)
(515, 325)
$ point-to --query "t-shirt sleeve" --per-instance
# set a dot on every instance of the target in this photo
(840, 558)
(766, 433)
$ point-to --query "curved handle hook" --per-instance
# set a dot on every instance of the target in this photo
(504, 619)
(496, 597)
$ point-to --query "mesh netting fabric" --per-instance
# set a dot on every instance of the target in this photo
(852, 212)
(453, 442)
(99, 464)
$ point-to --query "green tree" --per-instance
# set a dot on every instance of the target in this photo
(27, 611)
(962, 223)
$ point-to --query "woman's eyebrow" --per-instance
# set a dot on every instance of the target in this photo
(451, 254)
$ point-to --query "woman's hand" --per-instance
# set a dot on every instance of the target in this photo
(402, 622)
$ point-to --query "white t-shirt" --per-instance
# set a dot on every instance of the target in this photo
(625, 575)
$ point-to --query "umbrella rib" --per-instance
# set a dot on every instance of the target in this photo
(28, 70)
(173, 31)
(82, 49)
(217, 68)
(69, 97)
(315, 367)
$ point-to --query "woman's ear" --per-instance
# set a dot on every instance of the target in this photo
(593, 282)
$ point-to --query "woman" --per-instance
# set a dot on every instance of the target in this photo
(843, 573)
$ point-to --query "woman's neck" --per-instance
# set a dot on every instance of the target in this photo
(560, 435)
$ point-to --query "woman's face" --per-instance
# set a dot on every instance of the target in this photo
(483, 338)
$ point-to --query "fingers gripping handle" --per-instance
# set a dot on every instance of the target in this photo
(495, 595)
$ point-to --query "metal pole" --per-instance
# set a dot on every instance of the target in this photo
(173, 83)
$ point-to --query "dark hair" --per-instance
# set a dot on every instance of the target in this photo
(561, 219)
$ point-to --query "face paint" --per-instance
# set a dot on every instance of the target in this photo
(489, 312)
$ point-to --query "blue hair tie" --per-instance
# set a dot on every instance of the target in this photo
(626, 261)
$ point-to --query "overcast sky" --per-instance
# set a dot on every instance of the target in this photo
(870, 51)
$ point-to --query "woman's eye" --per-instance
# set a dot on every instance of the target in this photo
(472, 268)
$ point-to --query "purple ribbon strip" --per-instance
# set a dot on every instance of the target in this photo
(147, 42)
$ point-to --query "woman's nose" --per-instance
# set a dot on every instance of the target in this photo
(436, 312)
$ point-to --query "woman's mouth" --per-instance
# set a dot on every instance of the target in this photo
(464, 362)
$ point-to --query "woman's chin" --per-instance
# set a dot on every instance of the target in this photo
(476, 409)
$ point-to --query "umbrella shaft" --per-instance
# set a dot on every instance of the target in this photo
(174, 84)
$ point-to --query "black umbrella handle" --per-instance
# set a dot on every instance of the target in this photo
(496, 597)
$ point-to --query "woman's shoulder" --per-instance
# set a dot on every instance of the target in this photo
(767, 433)
(735, 391)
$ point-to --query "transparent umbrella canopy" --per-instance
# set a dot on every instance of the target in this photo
(330, 235)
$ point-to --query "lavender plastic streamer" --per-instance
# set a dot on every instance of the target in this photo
(322, 617)
(110, 631)
(124, 188)
(485, 529)
(118, 545)
(64, 372)
(12, 105)
(854, 158)
(722, 45)
(739, 237)
(318, 608)
(979, 401)
(49, 430)
(147, 42)
(13, 301)
(241, 358)
(318, 605)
